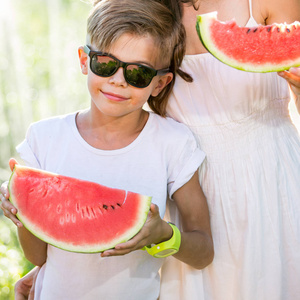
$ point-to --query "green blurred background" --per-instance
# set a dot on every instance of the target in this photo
(39, 77)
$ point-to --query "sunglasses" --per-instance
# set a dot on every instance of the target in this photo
(106, 65)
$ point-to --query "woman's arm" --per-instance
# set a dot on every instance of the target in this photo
(288, 11)
(24, 288)
(293, 78)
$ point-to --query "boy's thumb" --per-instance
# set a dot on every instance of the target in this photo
(12, 162)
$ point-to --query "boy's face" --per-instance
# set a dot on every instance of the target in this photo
(112, 95)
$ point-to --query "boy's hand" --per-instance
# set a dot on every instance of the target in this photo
(8, 209)
(154, 231)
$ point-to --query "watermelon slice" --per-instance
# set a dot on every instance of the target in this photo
(73, 214)
(257, 49)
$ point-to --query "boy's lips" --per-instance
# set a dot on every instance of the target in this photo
(114, 97)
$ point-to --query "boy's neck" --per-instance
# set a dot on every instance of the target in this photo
(110, 133)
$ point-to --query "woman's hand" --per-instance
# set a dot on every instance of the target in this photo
(154, 231)
(24, 288)
(293, 78)
(8, 209)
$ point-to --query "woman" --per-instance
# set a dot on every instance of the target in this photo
(251, 174)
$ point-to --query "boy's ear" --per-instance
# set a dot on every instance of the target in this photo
(83, 59)
(162, 82)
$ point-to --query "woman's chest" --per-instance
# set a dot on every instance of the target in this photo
(239, 10)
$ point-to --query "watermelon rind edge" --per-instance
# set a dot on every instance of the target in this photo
(202, 28)
(144, 210)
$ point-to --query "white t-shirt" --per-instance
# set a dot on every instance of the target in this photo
(158, 162)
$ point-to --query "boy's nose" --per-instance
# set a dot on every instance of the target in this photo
(118, 78)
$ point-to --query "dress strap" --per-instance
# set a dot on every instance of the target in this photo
(251, 22)
(250, 8)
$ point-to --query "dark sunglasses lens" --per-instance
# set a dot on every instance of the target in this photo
(139, 76)
(104, 66)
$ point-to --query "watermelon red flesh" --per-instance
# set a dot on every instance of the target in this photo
(256, 49)
(73, 214)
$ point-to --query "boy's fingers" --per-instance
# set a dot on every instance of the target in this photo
(9, 211)
(12, 217)
(16, 221)
(4, 191)
(5, 204)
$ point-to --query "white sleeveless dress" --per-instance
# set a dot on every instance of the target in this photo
(251, 179)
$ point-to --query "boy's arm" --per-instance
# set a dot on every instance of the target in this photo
(9, 210)
(35, 250)
(196, 239)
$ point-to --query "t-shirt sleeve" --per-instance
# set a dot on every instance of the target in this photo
(188, 159)
(26, 152)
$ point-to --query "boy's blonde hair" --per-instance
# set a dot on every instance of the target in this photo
(110, 19)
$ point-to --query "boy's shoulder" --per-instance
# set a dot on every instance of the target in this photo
(52, 122)
(171, 126)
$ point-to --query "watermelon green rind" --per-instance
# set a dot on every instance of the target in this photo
(72, 236)
(261, 49)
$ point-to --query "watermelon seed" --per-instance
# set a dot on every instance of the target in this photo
(48, 206)
(45, 194)
(119, 204)
(278, 29)
(67, 217)
(88, 212)
(255, 30)
(59, 208)
(269, 29)
(93, 212)
(288, 30)
(105, 206)
(248, 30)
(73, 218)
(112, 207)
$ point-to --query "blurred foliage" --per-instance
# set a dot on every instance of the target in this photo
(39, 68)
(13, 265)
(39, 77)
